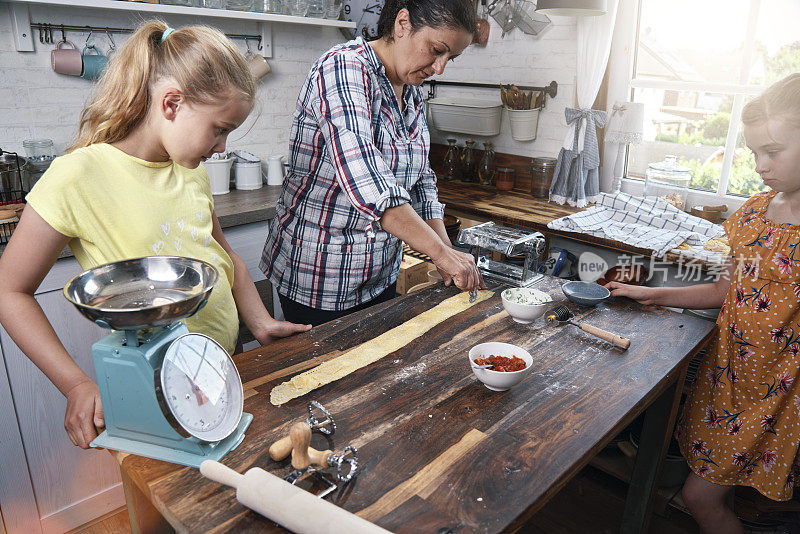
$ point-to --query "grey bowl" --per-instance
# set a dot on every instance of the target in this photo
(585, 293)
(142, 292)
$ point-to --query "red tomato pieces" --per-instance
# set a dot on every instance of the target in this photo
(502, 363)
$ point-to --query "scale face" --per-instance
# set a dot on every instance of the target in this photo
(201, 388)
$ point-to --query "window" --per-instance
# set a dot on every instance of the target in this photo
(696, 64)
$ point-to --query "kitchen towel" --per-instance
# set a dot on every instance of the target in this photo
(649, 223)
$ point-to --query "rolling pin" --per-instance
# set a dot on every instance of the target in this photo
(289, 506)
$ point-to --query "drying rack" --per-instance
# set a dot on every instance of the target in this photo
(551, 89)
(46, 30)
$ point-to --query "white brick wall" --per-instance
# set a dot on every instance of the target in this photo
(35, 102)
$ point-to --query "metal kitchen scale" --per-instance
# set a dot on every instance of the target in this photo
(167, 394)
(483, 239)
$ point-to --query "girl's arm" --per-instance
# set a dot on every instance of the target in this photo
(251, 309)
(700, 296)
(403, 222)
(32, 251)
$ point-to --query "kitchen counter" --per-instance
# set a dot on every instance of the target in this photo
(234, 209)
(521, 209)
(438, 452)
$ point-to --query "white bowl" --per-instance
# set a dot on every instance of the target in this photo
(499, 380)
(525, 313)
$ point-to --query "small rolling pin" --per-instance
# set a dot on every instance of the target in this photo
(291, 507)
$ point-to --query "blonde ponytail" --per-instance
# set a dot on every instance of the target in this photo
(781, 100)
(203, 62)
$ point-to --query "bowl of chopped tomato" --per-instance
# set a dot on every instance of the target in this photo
(510, 364)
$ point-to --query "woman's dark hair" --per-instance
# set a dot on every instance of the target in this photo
(432, 13)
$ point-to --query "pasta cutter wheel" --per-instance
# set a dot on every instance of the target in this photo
(326, 425)
(561, 314)
(346, 465)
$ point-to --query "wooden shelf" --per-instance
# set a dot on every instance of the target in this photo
(23, 36)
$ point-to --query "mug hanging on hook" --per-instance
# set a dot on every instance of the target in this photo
(258, 65)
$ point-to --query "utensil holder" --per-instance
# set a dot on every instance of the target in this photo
(524, 123)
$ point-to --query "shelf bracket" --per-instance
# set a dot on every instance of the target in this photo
(265, 29)
(21, 27)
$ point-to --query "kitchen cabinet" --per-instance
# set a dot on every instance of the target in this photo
(46, 483)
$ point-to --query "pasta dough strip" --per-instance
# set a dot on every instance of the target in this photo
(372, 350)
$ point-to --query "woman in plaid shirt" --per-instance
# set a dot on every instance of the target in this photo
(359, 180)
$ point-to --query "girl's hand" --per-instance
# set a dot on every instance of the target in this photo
(275, 329)
(84, 414)
(459, 268)
(641, 294)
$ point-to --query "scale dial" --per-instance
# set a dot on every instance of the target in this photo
(200, 389)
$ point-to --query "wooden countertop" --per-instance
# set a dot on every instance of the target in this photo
(521, 209)
(234, 209)
(437, 449)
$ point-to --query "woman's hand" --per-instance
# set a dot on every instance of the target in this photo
(641, 294)
(272, 329)
(459, 268)
(84, 415)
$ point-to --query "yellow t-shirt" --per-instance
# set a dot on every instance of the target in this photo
(115, 206)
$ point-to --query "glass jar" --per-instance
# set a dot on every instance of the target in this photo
(504, 178)
(316, 9)
(39, 154)
(240, 5)
(298, 8)
(542, 176)
(669, 181)
(486, 168)
(333, 9)
(269, 6)
(469, 166)
(452, 161)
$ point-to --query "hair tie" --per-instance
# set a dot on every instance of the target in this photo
(166, 33)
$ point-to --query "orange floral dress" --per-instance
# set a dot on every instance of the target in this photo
(740, 423)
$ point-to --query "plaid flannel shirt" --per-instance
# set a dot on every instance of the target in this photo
(352, 155)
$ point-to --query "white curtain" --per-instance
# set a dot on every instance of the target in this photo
(594, 44)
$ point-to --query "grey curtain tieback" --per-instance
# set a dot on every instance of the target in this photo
(595, 118)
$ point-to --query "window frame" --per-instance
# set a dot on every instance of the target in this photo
(623, 83)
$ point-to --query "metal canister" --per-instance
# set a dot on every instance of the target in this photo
(541, 176)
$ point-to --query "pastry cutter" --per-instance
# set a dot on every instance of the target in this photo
(561, 314)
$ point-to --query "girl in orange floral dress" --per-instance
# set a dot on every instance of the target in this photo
(740, 424)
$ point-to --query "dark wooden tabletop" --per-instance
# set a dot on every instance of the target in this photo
(438, 449)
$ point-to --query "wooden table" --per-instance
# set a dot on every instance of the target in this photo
(439, 451)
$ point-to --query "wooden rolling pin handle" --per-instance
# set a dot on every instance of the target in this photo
(319, 458)
(619, 341)
(221, 473)
(300, 434)
(281, 448)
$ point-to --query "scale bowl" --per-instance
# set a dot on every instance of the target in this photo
(142, 292)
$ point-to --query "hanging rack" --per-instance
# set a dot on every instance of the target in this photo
(46, 32)
(551, 89)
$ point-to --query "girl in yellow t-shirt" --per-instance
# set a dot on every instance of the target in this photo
(132, 186)
(740, 426)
